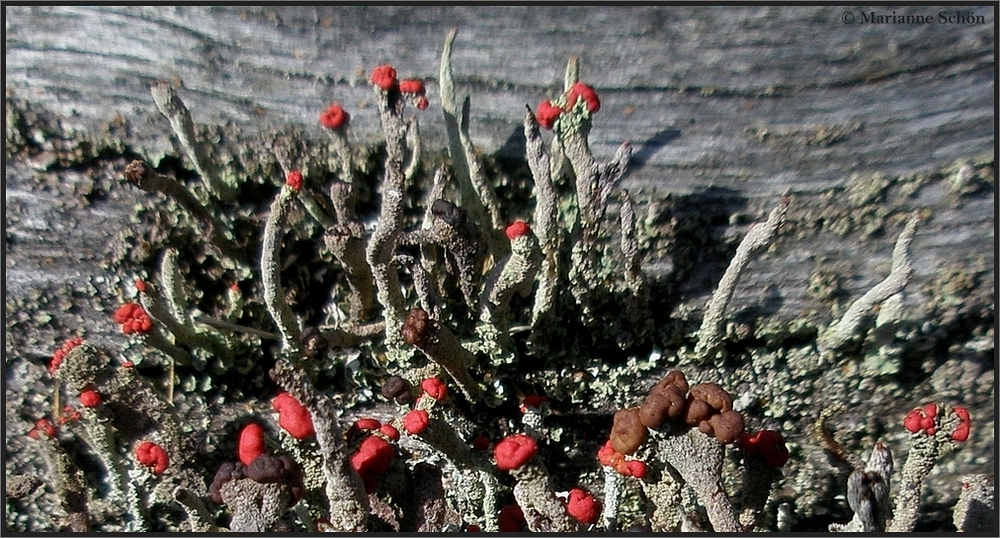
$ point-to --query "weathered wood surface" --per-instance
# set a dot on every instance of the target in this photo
(739, 104)
(734, 105)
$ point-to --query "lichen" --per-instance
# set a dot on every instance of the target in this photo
(575, 314)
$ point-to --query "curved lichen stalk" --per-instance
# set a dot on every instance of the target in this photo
(478, 197)
(634, 277)
(760, 236)
(848, 329)
(144, 177)
(546, 223)
(382, 245)
(345, 492)
(171, 106)
(270, 270)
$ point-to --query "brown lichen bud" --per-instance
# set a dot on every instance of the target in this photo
(697, 411)
(227, 471)
(450, 213)
(653, 411)
(662, 403)
(713, 395)
(136, 172)
(675, 378)
(443, 347)
(398, 389)
(268, 469)
(313, 343)
(727, 426)
(627, 433)
(706, 428)
(418, 330)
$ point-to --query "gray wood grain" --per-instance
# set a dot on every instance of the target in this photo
(753, 101)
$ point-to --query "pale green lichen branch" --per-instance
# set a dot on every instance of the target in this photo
(100, 436)
(270, 269)
(286, 152)
(153, 302)
(698, 459)
(341, 149)
(974, 511)
(594, 181)
(925, 451)
(384, 239)
(608, 176)
(412, 165)
(345, 241)
(255, 507)
(68, 484)
(760, 235)
(198, 515)
(462, 161)
(634, 277)
(484, 190)
(558, 162)
(171, 106)
(757, 484)
(665, 496)
(176, 298)
(312, 207)
(173, 287)
(849, 327)
(348, 503)
(534, 494)
(545, 223)
(515, 274)
(141, 175)
(614, 484)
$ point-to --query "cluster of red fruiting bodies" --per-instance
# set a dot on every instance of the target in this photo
(43, 426)
(57, 358)
(384, 77)
(133, 319)
(90, 398)
(153, 456)
(512, 453)
(625, 465)
(517, 229)
(766, 446)
(294, 180)
(375, 451)
(925, 419)
(548, 112)
(334, 117)
(293, 417)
